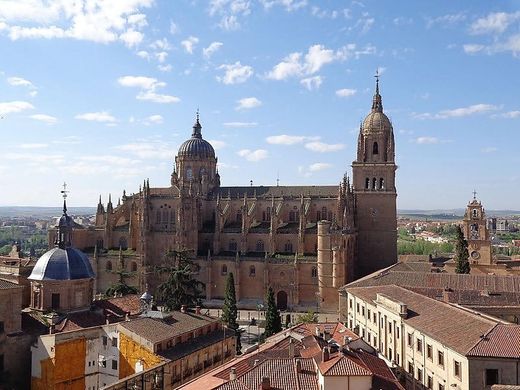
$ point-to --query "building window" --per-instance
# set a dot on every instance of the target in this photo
(419, 374)
(292, 216)
(429, 382)
(440, 358)
(349, 301)
(367, 183)
(314, 274)
(375, 319)
(397, 359)
(114, 342)
(389, 328)
(2, 327)
(114, 364)
(381, 184)
(223, 270)
(233, 246)
(410, 340)
(55, 301)
(441, 386)
(397, 332)
(133, 266)
(419, 345)
(239, 216)
(491, 376)
(429, 351)
(363, 311)
(456, 369)
(158, 216)
(410, 368)
(123, 243)
(375, 148)
(368, 314)
(109, 265)
(260, 246)
(105, 340)
(252, 271)
(374, 183)
(357, 308)
(288, 247)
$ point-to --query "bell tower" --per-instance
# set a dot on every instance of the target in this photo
(476, 233)
(373, 174)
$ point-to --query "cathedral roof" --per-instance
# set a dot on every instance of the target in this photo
(376, 121)
(279, 191)
(62, 264)
(196, 146)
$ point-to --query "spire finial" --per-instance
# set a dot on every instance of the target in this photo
(197, 127)
(377, 102)
(474, 195)
(377, 75)
(64, 193)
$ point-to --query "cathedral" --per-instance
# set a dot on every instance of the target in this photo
(303, 241)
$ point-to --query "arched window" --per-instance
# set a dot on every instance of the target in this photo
(268, 212)
(475, 215)
(260, 246)
(323, 213)
(239, 216)
(99, 243)
(223, 270)
(165, 216)
(172, 217)
(252, 271)
(189, 174)
(202, 171)
(318, 216)
(133, 266)
(331, 218)
(314, 272)
(123, 244)
(232, 245)
(292, 216)
(288, 247)
(374, 183)
(381, 184)
(367, 183)
(109, 265)
(375, 148)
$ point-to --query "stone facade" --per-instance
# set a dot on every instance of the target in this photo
(304, 241)
(476, 233)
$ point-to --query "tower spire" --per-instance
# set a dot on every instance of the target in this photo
(64, 193)
(197, 133)
(377, 102)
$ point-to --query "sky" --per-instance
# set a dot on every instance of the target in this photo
(100, 94)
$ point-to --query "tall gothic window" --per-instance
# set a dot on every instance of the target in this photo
(367, 183)
(288, 247)
(381, 184)
(233, 246)
(314, 272)
(252, 271)
(292, 216)
(374, 183)
(239, 216)
(260, 246)
(123, 244)
(172, 217)
(158, 216)
(109, 265)
(375, 148)
(223, 270)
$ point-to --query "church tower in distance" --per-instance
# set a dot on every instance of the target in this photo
(374, 187)
(476, 233)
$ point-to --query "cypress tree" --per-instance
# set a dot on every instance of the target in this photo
(230, 311)
(273, 322)
(461, 253)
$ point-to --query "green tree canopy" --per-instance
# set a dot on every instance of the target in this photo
(461, 253)
(230, 311)
(180, 287)
(273, 322)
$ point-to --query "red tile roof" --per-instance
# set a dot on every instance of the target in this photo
(121, 305)
(503, 341)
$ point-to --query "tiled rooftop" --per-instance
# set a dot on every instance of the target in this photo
(502, 341)
(5, 285)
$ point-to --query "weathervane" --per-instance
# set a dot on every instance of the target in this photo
(64, 190)
(377, 75)
(474, 195)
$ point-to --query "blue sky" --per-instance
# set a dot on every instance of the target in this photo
(100, 94)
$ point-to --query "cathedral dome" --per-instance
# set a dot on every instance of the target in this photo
(62, 264)
(376, 122)
(196, 146)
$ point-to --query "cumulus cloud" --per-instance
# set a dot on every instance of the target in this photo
(489, 149)
(240, 124)
(235, 73)
(154, 119)
(102, 22)
(229, 12)
(345, 92)
(189, 44)
(217, 144)
(148, 86)
(322, 147)
(44, 118)
(511, 114)
(284, 139)
(19, 82)
(147, 150)
(289, 5)
(100, 116)
(253, 155)
(207, 52)
(458, 112)
(312, 83)
(313, 168)
(494, 23)
(247, 103)
(426, 140)
(14, 107)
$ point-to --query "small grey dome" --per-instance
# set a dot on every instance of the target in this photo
(62, 264)
(376, 122)
(196, 146)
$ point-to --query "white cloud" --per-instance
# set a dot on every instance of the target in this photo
(14, 106)
(44, 118)
(247, 103)
(316, 167)
(240, 124)
(511, 114)
(289, 5)
(489, 149)
(165, 68)
(148, 87)
(446, 20)
(33, 146)
(427, 140)
(473, 48)
(284, 139)
(235, 73)
(323, 147)
(189, 44)
(174, 29)
(97, 21)
(143, 54)
(229, 23)
(147, 150)
(494, 23)
(289, 67)
(100, 116)
(161, 56)
(253, 155)
(458, 112)
(161, 45)
(312, 83)
(229, 12)
(217, 144)
(211, 49)
(345, 92)
(155, 119)
(19, 82)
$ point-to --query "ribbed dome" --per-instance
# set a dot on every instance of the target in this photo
(376, 122)
(62, 264)
(196, 146)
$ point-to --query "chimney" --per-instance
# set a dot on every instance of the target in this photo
(197, 309)
(317, 331)
(298, 366)
(232, 374)
(256, 362)
(346, 340)
(127, 316)
(291, 348)
(183, 308)
(325, 354)
(326, 335)
(266, 383)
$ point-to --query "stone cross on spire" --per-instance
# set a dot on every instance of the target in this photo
(64, 193)
(377, 102)
(474, 195)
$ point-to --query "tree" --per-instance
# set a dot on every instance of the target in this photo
(273, 322)
(461, 253)
(307, 318)
(180, 287)
(230, 311)
(121, 287)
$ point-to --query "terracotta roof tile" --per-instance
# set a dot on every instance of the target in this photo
(502, 341)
